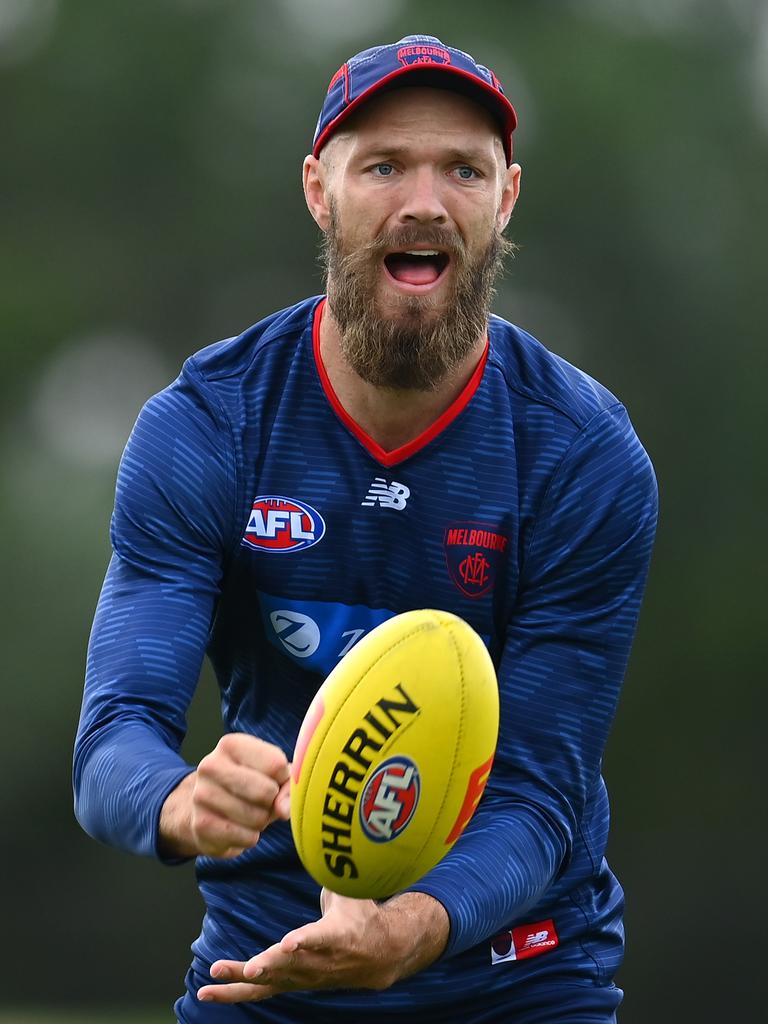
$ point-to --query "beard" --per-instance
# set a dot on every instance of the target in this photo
(425, 340)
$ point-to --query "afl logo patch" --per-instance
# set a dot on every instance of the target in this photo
(280, 525)
(390, 799)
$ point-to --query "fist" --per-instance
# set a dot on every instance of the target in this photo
(221, 809)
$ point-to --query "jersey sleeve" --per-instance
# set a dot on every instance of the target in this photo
(170, 531)
(563, 661)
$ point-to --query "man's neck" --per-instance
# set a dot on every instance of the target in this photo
(390, 417)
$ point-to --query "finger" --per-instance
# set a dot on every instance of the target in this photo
(313, 937)
(252, 752)
(217, 775)
(216, 836)
(232, 972)
(269, 962)
(235, 851)
(252, 813)
(236, 993)
(282, 804)
(227, 970)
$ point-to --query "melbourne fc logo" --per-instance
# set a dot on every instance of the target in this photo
(423, 53)
(389, 800)
(473, 552)
(281, 525)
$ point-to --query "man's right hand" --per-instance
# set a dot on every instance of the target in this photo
(221, 809)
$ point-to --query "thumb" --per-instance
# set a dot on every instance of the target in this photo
(333, 902)
(325, 896)
(281, 808)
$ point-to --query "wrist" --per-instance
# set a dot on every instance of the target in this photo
(418, 927)
(175, 838)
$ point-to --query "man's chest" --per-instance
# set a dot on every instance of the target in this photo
(333, 543)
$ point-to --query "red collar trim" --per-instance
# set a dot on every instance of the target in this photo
(392, 458)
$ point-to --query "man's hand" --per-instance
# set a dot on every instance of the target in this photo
(356, 944)
(222, 808)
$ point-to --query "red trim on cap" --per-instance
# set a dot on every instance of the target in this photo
(342, 71)
(397, 455)
(501, 99)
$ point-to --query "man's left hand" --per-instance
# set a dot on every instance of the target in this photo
(355, 944)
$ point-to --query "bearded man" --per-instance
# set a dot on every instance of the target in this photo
(325, 470)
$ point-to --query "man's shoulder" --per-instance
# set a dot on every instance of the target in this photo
(234, 357)
(536, 375)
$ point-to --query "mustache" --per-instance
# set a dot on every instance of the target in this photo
(412, 237)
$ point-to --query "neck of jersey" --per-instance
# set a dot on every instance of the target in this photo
(405, 451)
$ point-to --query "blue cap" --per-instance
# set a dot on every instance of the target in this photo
(414, 60)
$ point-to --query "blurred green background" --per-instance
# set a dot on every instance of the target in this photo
(149, 188)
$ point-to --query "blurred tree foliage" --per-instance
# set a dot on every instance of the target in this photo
(150, 193)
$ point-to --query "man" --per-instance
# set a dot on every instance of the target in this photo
(389, 447)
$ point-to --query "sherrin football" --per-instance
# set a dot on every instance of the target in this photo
(393, 754)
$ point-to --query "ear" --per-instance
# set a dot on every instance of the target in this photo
(509, 194)
(316, 193)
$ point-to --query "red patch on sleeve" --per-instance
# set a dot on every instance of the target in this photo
(523, 942)
(534, 939)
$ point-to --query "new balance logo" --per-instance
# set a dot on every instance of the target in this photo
(392, 495)
(524, 942)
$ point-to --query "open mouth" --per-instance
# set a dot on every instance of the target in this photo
(416, 267)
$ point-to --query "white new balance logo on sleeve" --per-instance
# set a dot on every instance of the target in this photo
(523, 942)
(392, 495)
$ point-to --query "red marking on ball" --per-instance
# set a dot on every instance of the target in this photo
(311, 722)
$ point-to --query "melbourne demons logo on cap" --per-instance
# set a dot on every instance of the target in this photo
(280, 525)
(472, 553)
(389, 800)
(423, 53)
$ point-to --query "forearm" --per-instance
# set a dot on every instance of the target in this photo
(500, 868)
(122, 778)
(417, 929)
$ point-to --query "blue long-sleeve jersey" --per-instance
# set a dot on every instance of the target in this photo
(256, 522)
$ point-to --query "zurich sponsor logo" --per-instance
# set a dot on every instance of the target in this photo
(390, 798)
(280, 525)
(298, 634)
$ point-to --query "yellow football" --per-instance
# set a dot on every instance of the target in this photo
(393, 754)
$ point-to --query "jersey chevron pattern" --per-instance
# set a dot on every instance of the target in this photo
(255, 522)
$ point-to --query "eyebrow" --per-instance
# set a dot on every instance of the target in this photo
(468, 154)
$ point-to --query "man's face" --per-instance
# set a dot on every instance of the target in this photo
(417, 194)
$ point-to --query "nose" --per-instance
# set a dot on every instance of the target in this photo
(423, 202)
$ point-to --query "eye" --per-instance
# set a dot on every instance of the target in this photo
(383, 170)
(466, 173)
